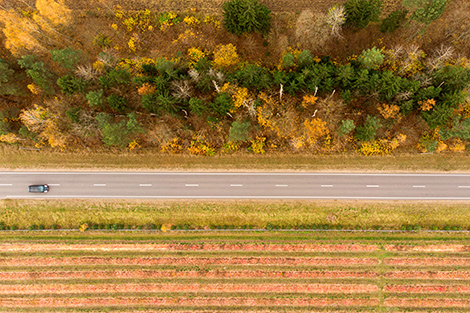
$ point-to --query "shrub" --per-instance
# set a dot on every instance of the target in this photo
(117, 103)
(102, 41)
(346, 127)
(38, 73)
(239, 131)
(368, 130)
(335, 19)
(196, 106)
(360, 12)
(225, 56)
(244, 16)
(222, 104)
(67, 57)
(70, 84)
(393, 21)
(371, 58)
(426, 11)
(95, 98)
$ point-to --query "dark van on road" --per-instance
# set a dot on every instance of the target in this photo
(38, 188)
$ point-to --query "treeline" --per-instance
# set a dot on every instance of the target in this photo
(207, 101)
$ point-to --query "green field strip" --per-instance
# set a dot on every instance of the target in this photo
(228, 236)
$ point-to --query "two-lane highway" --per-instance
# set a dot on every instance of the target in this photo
(188, 185)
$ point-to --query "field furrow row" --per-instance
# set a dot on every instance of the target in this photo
(182, 301)
(188, 247)
(44, 261)
(139, 274)
(159, 288)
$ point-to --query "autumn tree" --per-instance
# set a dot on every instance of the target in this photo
(35, 32)
(43, 122)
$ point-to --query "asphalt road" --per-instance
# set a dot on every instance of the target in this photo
(178, 185)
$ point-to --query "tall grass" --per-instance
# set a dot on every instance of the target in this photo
(270, 214)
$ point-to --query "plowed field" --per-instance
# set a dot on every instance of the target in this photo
(234, 272)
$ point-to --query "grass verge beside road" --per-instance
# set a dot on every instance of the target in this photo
(16, 159)
(256, 214)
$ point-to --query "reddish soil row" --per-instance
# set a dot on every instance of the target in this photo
(187, 247)
(429, 275)
(428, 288)
(427, 303)
(429, 248)
(183, 274)
(157, 288)
(125, 301)
(428, 261)
(187, 261)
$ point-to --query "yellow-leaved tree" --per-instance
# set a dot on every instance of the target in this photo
(22, 33)
(37, 31)
(44, 123)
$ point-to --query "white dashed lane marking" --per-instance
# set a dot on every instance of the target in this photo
(192, 185)
(281, 185)
(419, 186)
(6, 184)
(99, 185)
(326, 186)
(236, 185)
(145, 185)
(373, 186)
(464, 186)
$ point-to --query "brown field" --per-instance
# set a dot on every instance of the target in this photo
(253, 272)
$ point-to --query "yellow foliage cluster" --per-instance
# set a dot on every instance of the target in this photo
(308, 100)
(35, 89)
(185, 37)
(55, 12)
(225, 56)
(464, 110)
(142, 20)
(170, 19)
(173, 146)
(381, 146)
(9, 138)
(456, 145)
(99, 66)
(427, 104)
(257, 145)
(406, 63)
(132, 44)
(191, 21)
(146, 89)
(315, 129)
(389, 111)
(194, 55)
(230, 147)
(200, 146)
(133, 145)
(212, 20)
